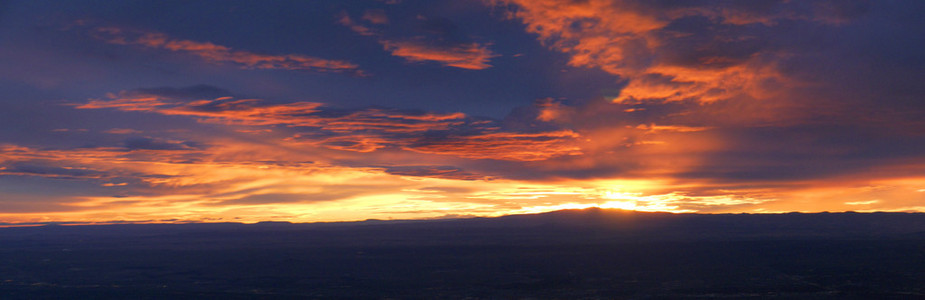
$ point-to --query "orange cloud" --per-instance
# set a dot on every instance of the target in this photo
(356, 142)
(249, 182)
(223, 186)
(679, 166)
(228, 185)
(552, 111)
(361, 130)
(597, 33)
(504, 146)
(472, 56)
(634, 41)
(122, 131)
(464, 55)
(222, 54)
(254, 112)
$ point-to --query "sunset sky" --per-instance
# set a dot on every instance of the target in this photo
(303, 111)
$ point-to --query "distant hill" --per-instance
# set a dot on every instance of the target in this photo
(586, 225)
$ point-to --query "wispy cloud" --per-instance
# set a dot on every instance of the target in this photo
(359, 130)
(465, 56)
(376, 16)
(439, 48)
(123, 131)
(504, 145)
(221, 54)
(256, 112)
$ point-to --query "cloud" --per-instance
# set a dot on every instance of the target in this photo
(122, 131)
(732, 92)
(442, 42)
(43, 169)
(255, 112)
(358, 130)
(465, 56)
(281, 198)
(113, 166)
(503, 146)
(69, 130)
(221, 54)
(147, 143)
(361, 29)
(869, 202)
(376, 16)
(672, 51)
(223, 185)
(354, 142)
(447, 172)
(714, 106)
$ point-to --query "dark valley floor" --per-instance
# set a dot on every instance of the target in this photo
(588, 254)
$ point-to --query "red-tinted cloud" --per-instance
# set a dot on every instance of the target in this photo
(360, 130)
(465, 56)
(459, 54)
(669, 52)
(255, 112)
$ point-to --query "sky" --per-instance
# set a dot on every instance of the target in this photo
(306, 111)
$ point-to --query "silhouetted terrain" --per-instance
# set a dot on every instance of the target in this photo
(571, 254)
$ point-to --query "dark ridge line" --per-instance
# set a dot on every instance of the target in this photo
(565, 212)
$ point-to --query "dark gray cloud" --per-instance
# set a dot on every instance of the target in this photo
(47, 169)
(447, 172)
(147, 143)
